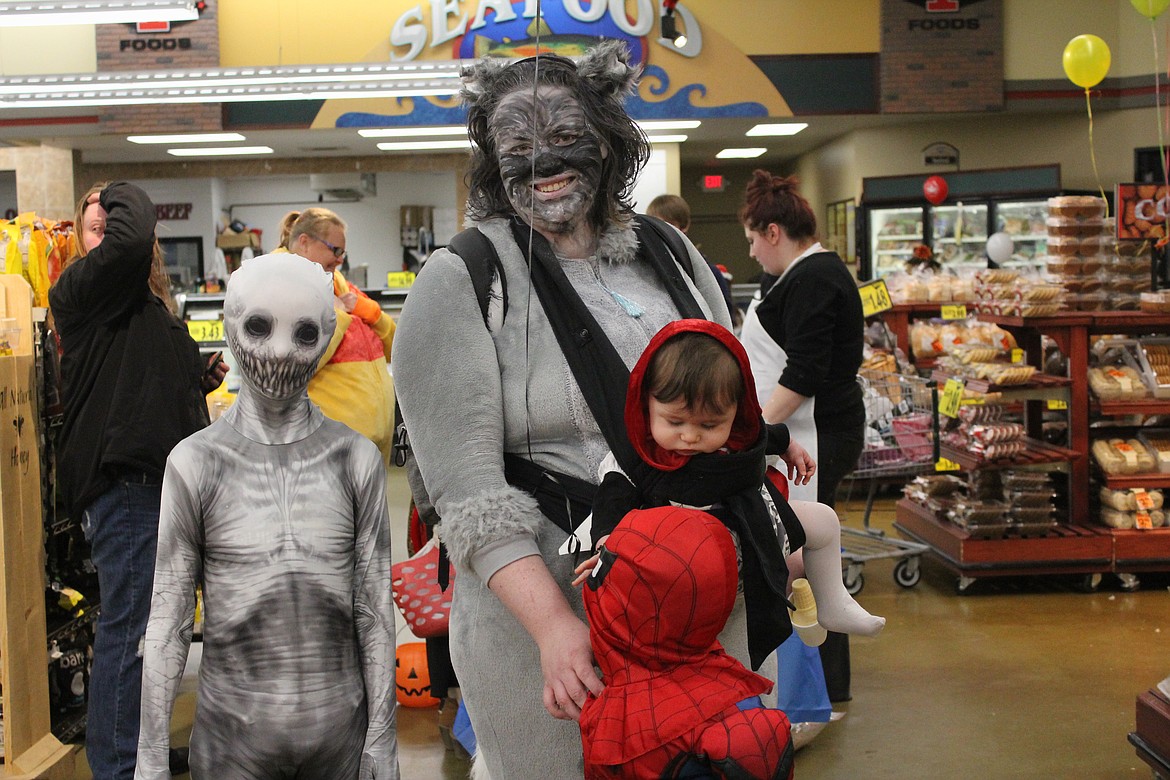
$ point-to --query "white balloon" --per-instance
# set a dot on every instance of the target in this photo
(1000, 246)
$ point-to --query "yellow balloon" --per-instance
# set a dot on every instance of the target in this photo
(1150, 8)
(1086, 60)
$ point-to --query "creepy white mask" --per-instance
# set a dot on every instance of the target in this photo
(278, 320)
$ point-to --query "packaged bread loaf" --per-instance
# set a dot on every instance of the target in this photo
(1131, 500)
(1117, 383)
(1123, 456)
(1114, 518)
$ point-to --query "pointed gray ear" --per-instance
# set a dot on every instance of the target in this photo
(607, 68)
(479, 77)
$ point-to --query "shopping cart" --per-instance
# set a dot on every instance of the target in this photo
(901, 416)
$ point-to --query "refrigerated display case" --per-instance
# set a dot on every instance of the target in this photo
(892, 237)
(959, 234)
(894, 218)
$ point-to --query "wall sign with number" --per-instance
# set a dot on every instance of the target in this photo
(205, 330)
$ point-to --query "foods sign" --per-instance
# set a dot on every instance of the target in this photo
(1142, 211)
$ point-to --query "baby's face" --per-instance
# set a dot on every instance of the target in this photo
(676, 428)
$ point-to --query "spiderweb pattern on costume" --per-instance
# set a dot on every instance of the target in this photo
(671, 690)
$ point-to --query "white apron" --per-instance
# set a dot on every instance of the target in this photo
(768, 361)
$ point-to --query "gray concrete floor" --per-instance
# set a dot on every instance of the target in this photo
(1018, 678)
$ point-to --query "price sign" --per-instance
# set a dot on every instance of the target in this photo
(946, 465)
(400, 279)
(205, 330)
(1143, 520)
(1017, 355)
(955, 311)
(951, 398)
(1056, 404)
(875, 298)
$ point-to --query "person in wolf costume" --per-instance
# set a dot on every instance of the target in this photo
(281, 514)
(498, 420)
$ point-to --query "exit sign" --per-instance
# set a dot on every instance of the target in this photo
(714, 182)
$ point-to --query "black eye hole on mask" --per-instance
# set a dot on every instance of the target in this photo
(258, 327)
(306, 334)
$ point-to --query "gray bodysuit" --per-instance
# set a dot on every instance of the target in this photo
(292, 545)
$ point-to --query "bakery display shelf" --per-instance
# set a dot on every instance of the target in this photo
(1036, 453)
(899, 237)
(1149, 479)
(1136, 550)
(1040, 386)
(1139, 406)
(1151, 734)
(1064, 549)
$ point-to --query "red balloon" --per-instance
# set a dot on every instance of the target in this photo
(935, 189)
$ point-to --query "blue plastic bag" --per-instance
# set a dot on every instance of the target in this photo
(800, 683)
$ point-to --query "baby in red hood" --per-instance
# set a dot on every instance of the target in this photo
(700, 441)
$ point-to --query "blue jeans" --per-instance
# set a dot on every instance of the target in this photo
(122, 528)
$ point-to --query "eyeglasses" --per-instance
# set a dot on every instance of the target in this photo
(338, 252)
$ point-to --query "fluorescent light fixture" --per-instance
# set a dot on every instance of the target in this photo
(43, 13)
(196, 138)
(668, 124)
(410, 132)
(217, 151)
(424, 146)
(782, 128)
(229, 85)
(729, 154)
(666, 139)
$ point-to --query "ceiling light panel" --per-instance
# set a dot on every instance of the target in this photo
(221, 151)
(668, 124)
(424, 146)
(44, 13)
(781, 128)
(666, 139)
(744, 154)
(409, 132)
(197, 138)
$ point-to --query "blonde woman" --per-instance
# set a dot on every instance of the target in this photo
(133, 386)
(352, 384)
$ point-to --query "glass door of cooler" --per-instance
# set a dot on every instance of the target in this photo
(893, 234)
(1025, 221)
(959, 236)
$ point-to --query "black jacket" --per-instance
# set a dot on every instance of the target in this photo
(130, 371)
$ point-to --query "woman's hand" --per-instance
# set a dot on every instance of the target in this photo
(801, 466)
(566, 660)
(345, 302)
(586, 566)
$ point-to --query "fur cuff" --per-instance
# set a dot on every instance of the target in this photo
(474, 523)
(618, 243)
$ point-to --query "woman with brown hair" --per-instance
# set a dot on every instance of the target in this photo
(352, 384)
(133, 387)
(804, 335)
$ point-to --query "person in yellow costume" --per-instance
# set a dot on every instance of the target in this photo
(352, 384)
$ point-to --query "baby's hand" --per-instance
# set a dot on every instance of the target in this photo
(801, 466)
(586, 566)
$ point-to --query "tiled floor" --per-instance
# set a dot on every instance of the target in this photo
(1018, 678)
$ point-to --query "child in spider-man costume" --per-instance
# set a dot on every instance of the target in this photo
(675, 705)
(699, 440)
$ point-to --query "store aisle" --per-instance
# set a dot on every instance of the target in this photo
(1017, 679)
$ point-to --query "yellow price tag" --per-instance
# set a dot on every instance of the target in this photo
(974, 400)
(205, 330)
(400, 279)
(1017, 355)
(951, 398)
(946, 465)
(956, 311)
(875, 297)
(1056, 404)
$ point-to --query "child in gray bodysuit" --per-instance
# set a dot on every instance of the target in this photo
(281, 514)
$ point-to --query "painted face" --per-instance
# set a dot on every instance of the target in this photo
(278, 319)
(550, 159)
(93, 226)
(686, 431)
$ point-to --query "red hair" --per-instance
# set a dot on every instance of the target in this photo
(774, 200)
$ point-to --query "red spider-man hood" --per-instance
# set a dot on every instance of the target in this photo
(744, 430)
(656, 606)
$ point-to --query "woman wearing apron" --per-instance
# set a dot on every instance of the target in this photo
(804, 335)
